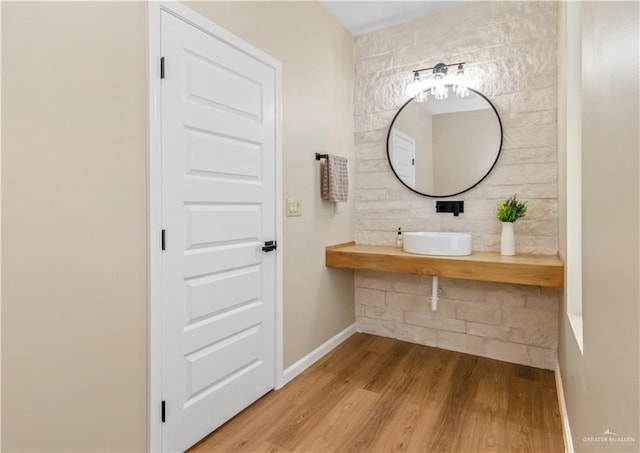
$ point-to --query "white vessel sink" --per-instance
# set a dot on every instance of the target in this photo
(437, 243)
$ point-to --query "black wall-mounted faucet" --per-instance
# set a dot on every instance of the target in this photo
(456, 207)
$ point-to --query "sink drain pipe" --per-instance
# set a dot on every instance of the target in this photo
(434, 293)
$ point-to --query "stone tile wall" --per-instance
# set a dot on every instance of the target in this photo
(510, 50)
(505, 322)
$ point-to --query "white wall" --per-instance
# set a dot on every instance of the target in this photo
(601, 385)
(510, 50)
(74, 290)
(74, 227)
(0, 242)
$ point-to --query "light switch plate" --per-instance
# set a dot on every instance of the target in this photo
(294, 207)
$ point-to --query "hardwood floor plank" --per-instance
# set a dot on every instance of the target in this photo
(246, 430)
(434, 376)
(409, 430)
(304, 417)
(339, 424)
(266, 447)
(382, 345)
(341, 360)
(376, 395)
(485, 421)
(551, 427)
(392, 366)
(483, 433)
(355, 370)
(521, 428)
(460, 396)
(370, 429)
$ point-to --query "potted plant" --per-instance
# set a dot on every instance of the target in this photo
(508, 212)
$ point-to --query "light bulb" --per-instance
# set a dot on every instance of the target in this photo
(461, 91)
(416, 87)
(460, 83)
(438, 83)
(439, 89)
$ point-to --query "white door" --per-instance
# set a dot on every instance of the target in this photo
(218, 209)
(404, 157)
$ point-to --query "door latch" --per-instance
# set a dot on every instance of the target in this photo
(270, 246)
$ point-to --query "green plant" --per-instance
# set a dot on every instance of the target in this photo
(511, 210)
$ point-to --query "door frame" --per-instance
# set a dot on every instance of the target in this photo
(154, 202)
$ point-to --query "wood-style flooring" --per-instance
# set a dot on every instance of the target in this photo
(375, 394)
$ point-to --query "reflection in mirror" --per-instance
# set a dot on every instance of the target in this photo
(441, 148)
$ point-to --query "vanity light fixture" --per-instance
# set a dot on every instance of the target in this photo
(437, 82)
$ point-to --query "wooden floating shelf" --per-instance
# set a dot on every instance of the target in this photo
(535, 270)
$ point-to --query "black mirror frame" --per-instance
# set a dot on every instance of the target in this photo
(462, 191)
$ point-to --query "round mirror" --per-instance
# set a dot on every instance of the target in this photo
(441, 148)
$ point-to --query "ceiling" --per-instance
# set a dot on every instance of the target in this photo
(364, 16)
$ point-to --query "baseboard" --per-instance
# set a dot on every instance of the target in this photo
(315, 355)
(566, 429)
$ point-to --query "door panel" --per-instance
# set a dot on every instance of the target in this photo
(242, 287)
(222, 223)
(241, 94)
(218, 208)
(222, 157)
(404, 153)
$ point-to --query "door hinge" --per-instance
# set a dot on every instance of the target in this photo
(413, 161)
(270, 246)
(163, 240)
(162, 67)
(164, 412)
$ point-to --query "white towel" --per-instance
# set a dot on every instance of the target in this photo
(334, 179)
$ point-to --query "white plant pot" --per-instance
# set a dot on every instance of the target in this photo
(507, 239)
